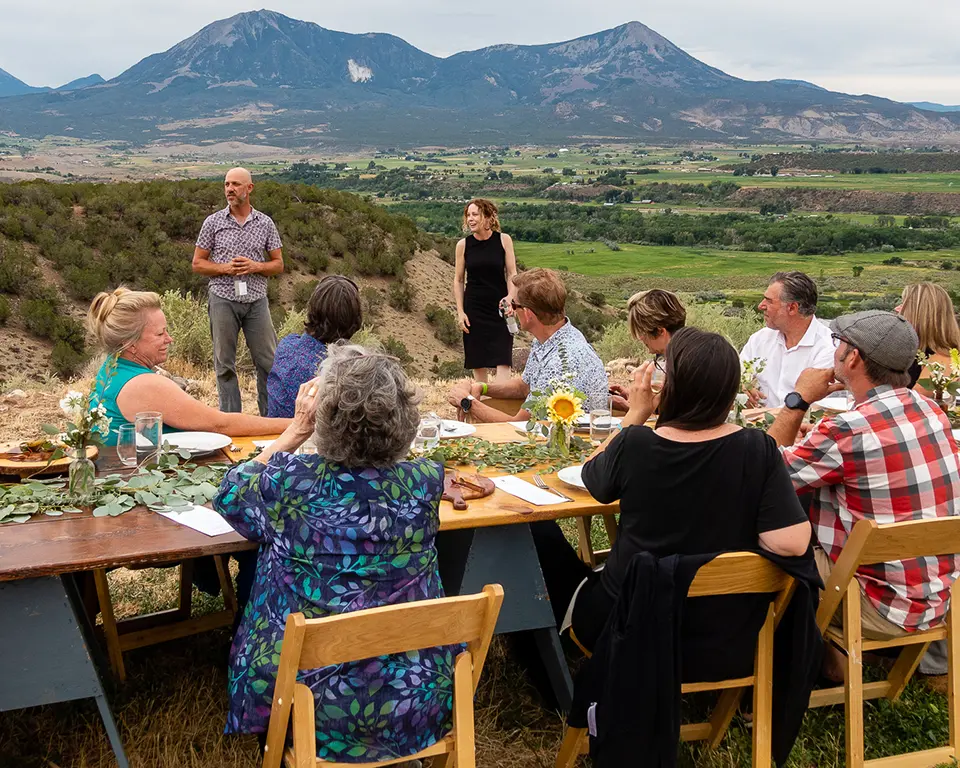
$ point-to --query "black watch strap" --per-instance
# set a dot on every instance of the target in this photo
(466, 404)
(795, 402)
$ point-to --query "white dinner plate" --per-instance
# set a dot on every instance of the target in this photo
(835, 402)
(198, 443)
(571, 476)
(450, 429)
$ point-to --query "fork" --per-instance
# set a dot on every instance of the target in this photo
(538, 481)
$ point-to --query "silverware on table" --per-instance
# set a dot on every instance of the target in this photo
(538, 481)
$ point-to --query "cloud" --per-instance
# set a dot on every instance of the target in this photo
(855, 46)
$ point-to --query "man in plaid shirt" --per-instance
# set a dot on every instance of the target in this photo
(891, 459)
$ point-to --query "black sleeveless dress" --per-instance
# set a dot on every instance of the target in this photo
(489, 343)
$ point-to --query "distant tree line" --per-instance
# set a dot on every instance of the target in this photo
(853, 162)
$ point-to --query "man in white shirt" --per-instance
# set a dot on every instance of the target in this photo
(792, 341)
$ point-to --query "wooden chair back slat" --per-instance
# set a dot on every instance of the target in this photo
(738, 573)
(914, 538)
(396, 629)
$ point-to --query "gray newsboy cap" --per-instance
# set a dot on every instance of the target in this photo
(883, 337)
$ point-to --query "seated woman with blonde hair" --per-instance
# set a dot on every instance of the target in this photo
(929, 309)
(131, 328)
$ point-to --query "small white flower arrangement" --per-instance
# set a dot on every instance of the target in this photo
(87, 422)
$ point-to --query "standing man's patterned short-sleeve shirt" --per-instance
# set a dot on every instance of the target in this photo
(545, 364)
(225, 238)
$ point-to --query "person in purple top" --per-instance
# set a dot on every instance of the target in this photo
(333, 313)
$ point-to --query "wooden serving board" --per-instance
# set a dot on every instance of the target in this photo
(459, 494)
(24, 468)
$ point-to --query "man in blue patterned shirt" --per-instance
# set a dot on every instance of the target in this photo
(558, 349)
(238, 248)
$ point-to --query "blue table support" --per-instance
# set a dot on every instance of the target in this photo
(506, 555)
(47, 650)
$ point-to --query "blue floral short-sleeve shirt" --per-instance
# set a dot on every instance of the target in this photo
(335, 540)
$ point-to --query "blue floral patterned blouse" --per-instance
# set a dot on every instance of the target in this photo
(295, 362)
(336, 540)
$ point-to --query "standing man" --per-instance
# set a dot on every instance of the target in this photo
(238, 249)
(792, 341)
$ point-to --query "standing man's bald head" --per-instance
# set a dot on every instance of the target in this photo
(237, 186)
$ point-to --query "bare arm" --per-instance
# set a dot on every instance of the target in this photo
(511, 265)
(152, 392)
(791, 541)
(272, 266)
(301, 426)
(487, 415)
(203, 266)
(459, 284)
(514, 388)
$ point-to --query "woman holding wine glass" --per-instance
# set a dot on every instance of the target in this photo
(483, 291)
(654, 317)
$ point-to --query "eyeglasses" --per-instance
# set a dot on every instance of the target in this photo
(516, 306)
(837, 338)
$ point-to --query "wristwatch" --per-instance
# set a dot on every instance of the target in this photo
(467, 403)
(794, 402)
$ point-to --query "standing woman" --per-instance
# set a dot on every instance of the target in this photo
(485, 267)
(929, 309)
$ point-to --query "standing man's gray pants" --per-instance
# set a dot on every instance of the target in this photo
(227, 319)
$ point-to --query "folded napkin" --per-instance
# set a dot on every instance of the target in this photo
(526, 491)
(201, 519)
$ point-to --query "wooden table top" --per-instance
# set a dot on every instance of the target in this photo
(48, 546)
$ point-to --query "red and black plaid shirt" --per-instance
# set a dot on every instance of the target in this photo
(891, 459)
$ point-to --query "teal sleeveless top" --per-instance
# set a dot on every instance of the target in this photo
(111, 378)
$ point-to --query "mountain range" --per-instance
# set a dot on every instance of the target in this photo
(263, 77)
(11, 86)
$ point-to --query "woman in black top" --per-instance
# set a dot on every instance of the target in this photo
(485, 267)
(693, 485)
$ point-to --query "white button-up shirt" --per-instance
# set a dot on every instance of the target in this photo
(783, 368)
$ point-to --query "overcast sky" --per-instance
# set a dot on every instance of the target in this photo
(907, 52)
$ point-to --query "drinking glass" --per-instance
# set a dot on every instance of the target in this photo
(601, 424)
(656, 380)
(149, 437)
(429, 431)
(127, 445)
(308, 448)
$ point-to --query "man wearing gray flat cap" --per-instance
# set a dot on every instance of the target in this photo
(892, 458)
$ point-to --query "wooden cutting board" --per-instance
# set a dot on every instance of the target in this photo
(25, 468)
(470, 486)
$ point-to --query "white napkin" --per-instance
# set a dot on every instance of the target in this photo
(261, 444)
(526, 491)
(201, 519)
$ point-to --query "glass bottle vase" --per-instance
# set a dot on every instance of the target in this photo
(559, 440)
(81, 483)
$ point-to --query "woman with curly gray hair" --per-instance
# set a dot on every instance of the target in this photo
(350, 527)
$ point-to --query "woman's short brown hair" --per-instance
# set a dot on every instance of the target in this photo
(333, 312)
(543, 293)
(487, 208)
(653, 311)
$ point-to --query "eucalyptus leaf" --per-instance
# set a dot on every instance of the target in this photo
(50, 429)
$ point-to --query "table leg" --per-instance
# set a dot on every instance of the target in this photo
(506, 555)
(111, 633)
(47, 655)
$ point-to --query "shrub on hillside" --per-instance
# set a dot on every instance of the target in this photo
(65, 360)
(39, 316)
(449, 369)
(596, 298)
(445, 327)
(4, 309)
(189, 325)
(371, 302)
(17, 270)
(587, 320)
(401, 295)
(398, 349)
(302, 293)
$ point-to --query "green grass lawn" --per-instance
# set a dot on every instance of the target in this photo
(596, 259)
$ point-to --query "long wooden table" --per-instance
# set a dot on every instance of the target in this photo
(483, 544)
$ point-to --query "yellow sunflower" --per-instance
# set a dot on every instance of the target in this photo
(564, 408)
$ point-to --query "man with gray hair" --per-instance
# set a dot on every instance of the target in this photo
(238, 248)
(793, 338)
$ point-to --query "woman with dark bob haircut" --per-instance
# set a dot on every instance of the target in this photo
(333, 314)
(691, 484)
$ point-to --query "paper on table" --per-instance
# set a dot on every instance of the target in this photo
(526, 491)
(261, 444)
(200, 519)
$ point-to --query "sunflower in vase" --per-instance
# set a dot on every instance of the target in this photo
(560, 405)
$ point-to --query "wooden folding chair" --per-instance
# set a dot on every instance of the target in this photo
(589, 555)
(312, 643)
(734, 573)
(868, 544)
